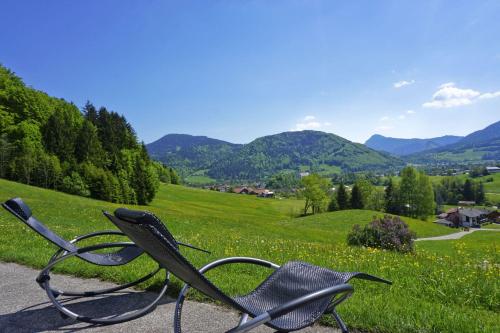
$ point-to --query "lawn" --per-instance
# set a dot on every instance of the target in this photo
(435, 289)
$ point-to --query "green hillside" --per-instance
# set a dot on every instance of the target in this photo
(48, 142)
(432, 291)
(311, 151)
(191, 154)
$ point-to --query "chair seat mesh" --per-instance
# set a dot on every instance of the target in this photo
(293, 280)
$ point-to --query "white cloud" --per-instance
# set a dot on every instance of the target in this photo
(402, 116)
(401, 84)
(385, 118)
(410, 112)
(310, 123)
(490, 95)
(449, 95)
(384, 128)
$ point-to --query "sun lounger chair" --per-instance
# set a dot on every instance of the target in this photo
(294, 296)
(123, 255)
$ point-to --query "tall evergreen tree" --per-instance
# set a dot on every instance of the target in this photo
(342, 197)
(479, 193)
(391, 198)
(88, 147)
(90, 113)
(468, 192)
(333, 205)
(356, 197)
(60, 132)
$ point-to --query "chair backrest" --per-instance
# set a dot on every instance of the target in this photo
(19, 209)
(149, 233)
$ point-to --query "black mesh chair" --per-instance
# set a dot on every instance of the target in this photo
(124, 254)
(294, 296)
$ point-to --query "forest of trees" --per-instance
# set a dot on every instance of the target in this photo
(451, 190)
(49, 142)
(412, 196)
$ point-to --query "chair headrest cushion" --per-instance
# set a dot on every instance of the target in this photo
(19, 207)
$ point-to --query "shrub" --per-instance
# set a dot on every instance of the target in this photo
(389, 232)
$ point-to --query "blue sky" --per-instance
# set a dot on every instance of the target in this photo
(237, 70)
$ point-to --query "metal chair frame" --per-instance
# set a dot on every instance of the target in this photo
(126, 253)
(150, 233)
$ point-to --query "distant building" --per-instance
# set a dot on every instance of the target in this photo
(471, 217)
(464, 217)
(493, 169)
(241, 190)
(260, 192)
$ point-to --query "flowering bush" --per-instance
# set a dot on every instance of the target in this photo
(389, 232)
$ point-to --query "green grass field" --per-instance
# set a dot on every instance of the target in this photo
(439, 288)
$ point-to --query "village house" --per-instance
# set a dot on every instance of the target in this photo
(260, 192)
(493, 169)
(463, 217)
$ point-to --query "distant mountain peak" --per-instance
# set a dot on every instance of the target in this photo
(402, 147)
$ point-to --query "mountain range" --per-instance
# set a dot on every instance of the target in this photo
(315, 151)
(311, 151)
(402, 147)
(479, 146)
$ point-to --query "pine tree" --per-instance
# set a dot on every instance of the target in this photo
(342, 197)
(468, 192)
(88, 147)
(391, 198)
(479, 195)
(90, 113)
(60, 132)
(333, 205)
(356, 197)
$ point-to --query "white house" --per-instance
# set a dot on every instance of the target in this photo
(493, 169)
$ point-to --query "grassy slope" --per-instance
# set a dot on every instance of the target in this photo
(428, 294)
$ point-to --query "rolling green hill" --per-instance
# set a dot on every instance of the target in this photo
(189, 153)
(312, 151)
(432, 291)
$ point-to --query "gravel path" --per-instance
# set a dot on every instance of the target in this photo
(456, 235)
(24, 308)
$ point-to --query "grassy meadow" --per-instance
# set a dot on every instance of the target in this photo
(444, 286)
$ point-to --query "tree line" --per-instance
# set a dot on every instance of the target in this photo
(412, 196)
(49, 142)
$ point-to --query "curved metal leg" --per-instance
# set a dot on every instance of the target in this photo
(178, 309)
(44, 280)
(58, 292)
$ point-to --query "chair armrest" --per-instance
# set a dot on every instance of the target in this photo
(44, 273)
(238, 260)
(95, 234)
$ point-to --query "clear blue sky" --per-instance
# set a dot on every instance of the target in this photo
(237, 70)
